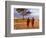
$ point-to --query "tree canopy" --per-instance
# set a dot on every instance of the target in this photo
(20, 9)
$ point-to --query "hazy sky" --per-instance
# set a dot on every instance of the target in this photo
(34, 13)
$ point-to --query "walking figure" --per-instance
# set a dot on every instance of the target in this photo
(28, 21)
(32, 21)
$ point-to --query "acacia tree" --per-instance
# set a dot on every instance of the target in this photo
(23, 11)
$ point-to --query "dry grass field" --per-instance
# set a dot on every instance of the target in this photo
(22, 24)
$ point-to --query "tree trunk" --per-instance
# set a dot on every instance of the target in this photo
(23, 17)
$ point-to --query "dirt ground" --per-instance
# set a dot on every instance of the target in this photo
(22, 24)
